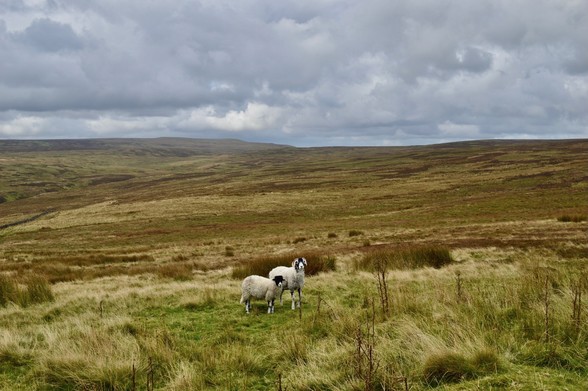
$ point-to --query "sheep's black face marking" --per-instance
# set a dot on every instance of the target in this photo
(278, 280)
(300, 263)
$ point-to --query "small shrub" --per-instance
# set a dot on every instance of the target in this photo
(331, 235)
(229, 251)
(355, 232)
(299, 240)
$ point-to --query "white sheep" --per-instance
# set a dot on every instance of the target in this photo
(259, 287)
(293, 279)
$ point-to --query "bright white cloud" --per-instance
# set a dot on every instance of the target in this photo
(21, 126)
(304, 73)
(255, 117)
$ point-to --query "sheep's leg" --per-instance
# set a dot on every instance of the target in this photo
(293, 300)
(281, 293)
(270, 307)
(299, 297)
(247, 305)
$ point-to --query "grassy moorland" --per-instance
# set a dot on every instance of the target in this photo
(457, 266)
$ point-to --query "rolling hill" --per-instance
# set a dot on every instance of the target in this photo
(120, 260)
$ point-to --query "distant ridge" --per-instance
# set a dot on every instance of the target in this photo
(177, 146)
(165, 146)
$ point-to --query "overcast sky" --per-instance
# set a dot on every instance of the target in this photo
(304, 72)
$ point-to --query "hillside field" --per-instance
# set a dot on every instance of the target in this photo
(449, 267)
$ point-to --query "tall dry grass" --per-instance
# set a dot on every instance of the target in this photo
(316, 263)
(194, 335)
(405, 258)
(33, 290)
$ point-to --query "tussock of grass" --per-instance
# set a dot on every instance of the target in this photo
(9, 292)
(35, 290)
(572, 218)
(176, 271)
(487, 361)
(261, 266)
(453, 367)
(413, 258)
(447, 367)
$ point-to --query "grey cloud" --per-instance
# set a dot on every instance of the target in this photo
(474, 60)
(328, 72)
(48, 35)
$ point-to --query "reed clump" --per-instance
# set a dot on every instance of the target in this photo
(572, 218)
(316, 263)
(32, 291)
(405, 259)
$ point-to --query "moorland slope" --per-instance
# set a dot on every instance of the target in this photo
(119, 264)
